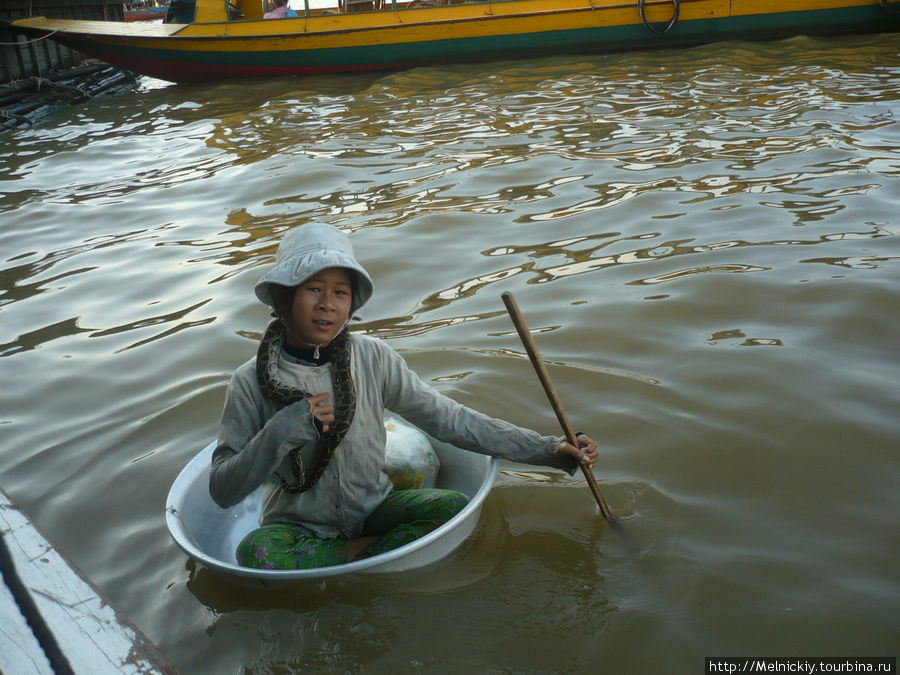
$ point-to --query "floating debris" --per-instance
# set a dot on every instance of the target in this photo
(28, 102)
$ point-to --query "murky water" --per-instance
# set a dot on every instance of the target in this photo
(704, 240)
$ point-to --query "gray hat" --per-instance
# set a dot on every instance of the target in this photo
(309, 249)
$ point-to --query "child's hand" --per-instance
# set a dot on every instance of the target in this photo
(587, 453)
(321, 410)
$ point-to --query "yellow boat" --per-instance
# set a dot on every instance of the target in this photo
(221, 39)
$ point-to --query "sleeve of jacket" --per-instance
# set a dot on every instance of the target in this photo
(252, 440)
(406, 394)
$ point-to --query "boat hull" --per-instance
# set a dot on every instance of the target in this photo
(210, 534)
(456, 33)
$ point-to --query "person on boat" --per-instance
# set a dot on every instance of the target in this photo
(305, 419)
(278, 9)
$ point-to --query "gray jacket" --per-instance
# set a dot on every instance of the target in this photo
(256, 435)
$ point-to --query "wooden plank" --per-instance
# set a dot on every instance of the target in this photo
(20, 651)
(91, 633)
(102, 27)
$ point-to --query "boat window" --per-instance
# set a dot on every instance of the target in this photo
(181, 11)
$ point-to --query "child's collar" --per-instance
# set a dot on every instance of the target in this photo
(315, 355)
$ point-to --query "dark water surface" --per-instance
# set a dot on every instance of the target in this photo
(704, 240)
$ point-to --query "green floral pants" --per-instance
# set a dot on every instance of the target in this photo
(404, 516)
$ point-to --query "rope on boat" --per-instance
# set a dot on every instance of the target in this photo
(887, 10)
(32, 615)
(28, 42)
(642, 9)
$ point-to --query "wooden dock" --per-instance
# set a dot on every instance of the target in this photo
(87, 634)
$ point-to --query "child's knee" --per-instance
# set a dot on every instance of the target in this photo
(447, 503)
(457, 500)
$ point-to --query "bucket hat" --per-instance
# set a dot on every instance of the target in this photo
(308, 249)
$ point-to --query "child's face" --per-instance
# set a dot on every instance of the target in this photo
(321, 307)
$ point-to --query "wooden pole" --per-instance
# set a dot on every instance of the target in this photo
(544, 376)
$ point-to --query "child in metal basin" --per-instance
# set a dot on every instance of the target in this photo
(304, 418)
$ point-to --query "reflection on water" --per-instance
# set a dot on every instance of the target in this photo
(704, 242)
